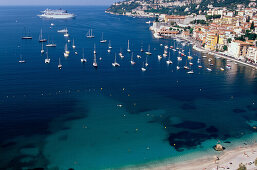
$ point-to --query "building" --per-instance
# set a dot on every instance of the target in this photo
(252, 54)
(211, 41)
(238, 49)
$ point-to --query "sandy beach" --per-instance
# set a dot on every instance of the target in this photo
(228, 159)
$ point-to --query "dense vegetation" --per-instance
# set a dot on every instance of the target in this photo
(123, 8)
(181, 10)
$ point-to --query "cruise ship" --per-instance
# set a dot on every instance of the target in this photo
(56, 14)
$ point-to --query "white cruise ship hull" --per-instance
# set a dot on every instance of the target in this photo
(66, 16)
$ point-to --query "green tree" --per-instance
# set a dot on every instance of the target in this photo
(242, 167)
(252, 26)
(225, 48)
(229, 40)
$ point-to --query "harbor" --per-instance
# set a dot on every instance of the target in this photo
(100, 92)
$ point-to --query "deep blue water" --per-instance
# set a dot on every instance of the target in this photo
(43, 110)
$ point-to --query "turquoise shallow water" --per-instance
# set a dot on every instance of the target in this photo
(71, 118)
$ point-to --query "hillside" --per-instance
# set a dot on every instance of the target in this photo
(175, 7)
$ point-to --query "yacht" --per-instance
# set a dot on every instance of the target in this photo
(66, 34)
(41, 39)
(103, 40)
(60, 65)
(204, 56)
(56, 14)
(131, 61)
(138, 56)
(83, 60)
(200, 66)
(178, 67)
(221, 69)
(159, 57)
(73, 45)
(190, 72)
(63, 30)
(90, 34)
(209, 69)
(228, 66)
(148, 52)
(115, 64)
(47, 60)
(109, 50)
(51, 45)
(128, 50)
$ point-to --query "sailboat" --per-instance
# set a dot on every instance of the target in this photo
(159, 57)
(95, 63)
(142, 49)
(103, 41)
(83, 60)
(128, 50)
(199, 61)
(148, 52)
(90, 34)
(60, 65)
(66, 51)
(73, 45)
(26, 35)
(143, 68)
(131, 61)
(110, 46)
(94, 49)
(115, 64)
(41, 39)
(21, 60)
(50, 44)
(169, 61)
(191, 71)
(146, 63)
(189, 56)
(186, 67)
(47, 60)
(42, 49)
(120, 54)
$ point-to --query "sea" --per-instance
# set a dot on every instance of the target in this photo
(79, 117)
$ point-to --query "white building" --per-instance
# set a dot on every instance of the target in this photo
(252, 54)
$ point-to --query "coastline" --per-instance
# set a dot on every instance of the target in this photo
(216, 54)
(228, 159)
